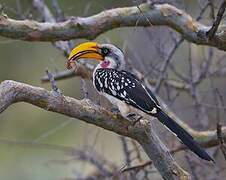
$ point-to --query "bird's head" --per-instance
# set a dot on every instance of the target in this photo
(109, 55)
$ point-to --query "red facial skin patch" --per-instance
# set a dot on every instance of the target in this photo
(105, 64)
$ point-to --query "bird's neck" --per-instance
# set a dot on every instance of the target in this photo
(110, 63)
(99, 66)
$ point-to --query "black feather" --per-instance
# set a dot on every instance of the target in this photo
(183, 135)
(138, 96)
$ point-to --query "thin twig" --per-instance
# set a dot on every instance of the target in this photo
(219, 126)
(171, 53)
(137, 167)
(221, 140)
(55, 89)
(58, 12)
(48, 17)
(192, 167)
(137, 150)
(210, 34)
(212, 13)
(165, 64)
(202, 11)
(126, 151)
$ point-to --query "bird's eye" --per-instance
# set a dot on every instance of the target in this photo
(105, 51)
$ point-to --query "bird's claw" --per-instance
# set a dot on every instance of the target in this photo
(131, 115)
(134, 117)
(137, 120)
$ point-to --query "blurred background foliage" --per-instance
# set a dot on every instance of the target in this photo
(27, 61)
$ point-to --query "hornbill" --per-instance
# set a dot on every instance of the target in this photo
(124, 90)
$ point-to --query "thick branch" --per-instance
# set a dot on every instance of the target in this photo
(91, 27)
(12, 92)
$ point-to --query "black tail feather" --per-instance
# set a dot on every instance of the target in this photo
(183, 135)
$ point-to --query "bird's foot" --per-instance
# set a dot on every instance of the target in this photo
(137, 120)
(134, 117)
(131, 116)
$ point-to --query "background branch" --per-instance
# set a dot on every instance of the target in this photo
(91, 27)
(216, 23)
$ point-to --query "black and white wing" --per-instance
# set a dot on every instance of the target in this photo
(124, 86)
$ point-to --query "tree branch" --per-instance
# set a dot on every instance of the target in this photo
(216, 23)
(137, 167)
(91, 27)
(48, 17)
(12, 92)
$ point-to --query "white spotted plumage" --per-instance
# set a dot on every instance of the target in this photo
(123, 89)
(123, 86)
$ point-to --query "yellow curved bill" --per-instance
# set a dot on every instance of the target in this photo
(87, 50)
